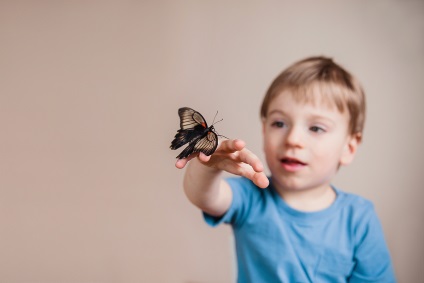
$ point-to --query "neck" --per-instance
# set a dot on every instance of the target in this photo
(309, 200)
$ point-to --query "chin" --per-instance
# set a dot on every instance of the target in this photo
(280, 184)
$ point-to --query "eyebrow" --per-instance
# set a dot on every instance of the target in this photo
(275, 111)
(326, 119)
(310, 117)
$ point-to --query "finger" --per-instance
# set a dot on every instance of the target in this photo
(181, 163)
(250, 158)
(203, 157)
(258, 178)
(230, 146)
(261, 180)
(237, 168)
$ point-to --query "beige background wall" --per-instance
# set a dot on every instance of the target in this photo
(89, 92)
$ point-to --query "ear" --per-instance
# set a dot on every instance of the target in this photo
(349, 151)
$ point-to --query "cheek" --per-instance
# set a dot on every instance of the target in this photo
(267, 147)
(329, 153)
(270, 142)
(270, 147)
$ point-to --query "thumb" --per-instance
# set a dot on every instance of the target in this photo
(203, 157)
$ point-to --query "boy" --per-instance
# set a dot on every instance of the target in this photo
(295, 226)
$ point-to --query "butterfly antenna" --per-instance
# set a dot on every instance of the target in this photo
(217, 122)
(213, 123)
(222, 136)
(214, 118)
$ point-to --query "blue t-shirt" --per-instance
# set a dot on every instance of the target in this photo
(276, 243)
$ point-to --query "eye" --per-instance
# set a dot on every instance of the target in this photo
(278, 124)
(317, 129)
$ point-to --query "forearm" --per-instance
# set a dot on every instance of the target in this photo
(205, 188)
(203, 183)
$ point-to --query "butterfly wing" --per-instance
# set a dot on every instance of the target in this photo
(190, 119)
(194, 131)
(206, 144)
(192, 127)
(185, 136)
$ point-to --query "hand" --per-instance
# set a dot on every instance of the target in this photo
(232, 156)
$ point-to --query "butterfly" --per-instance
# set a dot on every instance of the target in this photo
(195, 131)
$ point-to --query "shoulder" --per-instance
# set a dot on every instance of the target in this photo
(248, 199)
(246, 189)
(371, 255)
(240, 182)
(359, 212)
(354, 203)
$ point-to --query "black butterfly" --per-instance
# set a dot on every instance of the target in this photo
(195, 131)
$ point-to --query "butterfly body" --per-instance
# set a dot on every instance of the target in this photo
(195, 131)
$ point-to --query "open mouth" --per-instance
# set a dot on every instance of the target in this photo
(292, 161)
(292, 164)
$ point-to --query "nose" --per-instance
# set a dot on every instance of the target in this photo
(294, 138)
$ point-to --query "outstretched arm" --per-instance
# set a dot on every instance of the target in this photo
(203, 183)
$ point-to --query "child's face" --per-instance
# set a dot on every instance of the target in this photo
(305, 143)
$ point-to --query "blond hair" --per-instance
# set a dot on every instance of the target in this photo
(320, 78)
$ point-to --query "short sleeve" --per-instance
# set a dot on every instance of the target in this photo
(242, 190)
(372, 258)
